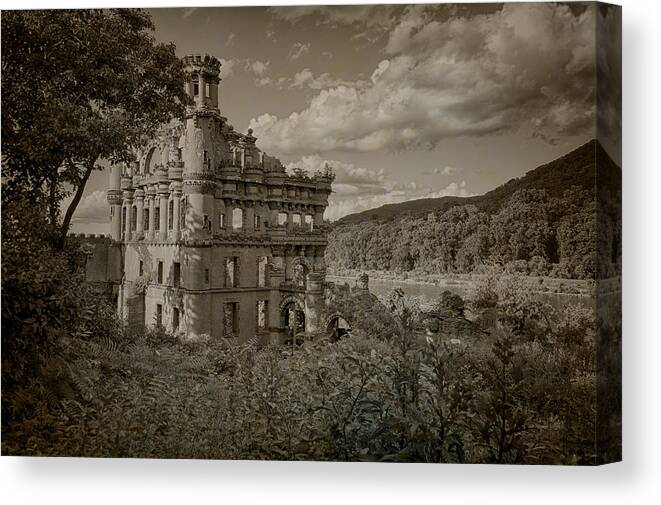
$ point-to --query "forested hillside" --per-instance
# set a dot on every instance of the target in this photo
(544, 223)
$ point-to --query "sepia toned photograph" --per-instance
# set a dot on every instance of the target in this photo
(358, 233)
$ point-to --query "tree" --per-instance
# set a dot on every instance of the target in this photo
(80, 86)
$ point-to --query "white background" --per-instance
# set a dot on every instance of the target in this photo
(636, 480)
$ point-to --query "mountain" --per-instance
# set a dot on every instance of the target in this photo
(576, 168)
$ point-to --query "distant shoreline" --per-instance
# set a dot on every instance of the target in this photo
(465, 282)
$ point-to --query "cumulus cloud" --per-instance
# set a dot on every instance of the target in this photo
(258, 67)
(306, 78)
(356, 189)
(525, 65)
(446, 170)
(297, 50)
(227, 67)
(367, 15)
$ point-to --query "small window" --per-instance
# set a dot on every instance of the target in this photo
(159, 314)
(282, 218)
(206, 275)
(206, 156)
(179, 154)
(123, 220)
(221, 220)
(231, 319)
(175, 318)
(232, 272)
(140, 269)
(297, 220)
(262, 262)
(207, 223)
(262, 314)
(145, 223)
(159, 274)
(196, 88)
(237, 218)
(134, 220)
(157, 218)
(170, 214)
(176, 274)
(257, 222)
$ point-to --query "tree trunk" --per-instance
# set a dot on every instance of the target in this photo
(66, 222)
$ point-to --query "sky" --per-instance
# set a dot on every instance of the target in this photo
(403, 102)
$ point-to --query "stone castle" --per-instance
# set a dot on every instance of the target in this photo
(210, 236)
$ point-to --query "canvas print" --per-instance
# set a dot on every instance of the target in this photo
(375, 233)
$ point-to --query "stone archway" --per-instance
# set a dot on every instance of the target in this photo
(337, 327)
(292, 319)
(148, 160)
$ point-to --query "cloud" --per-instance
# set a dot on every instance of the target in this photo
(327, 54)
(258, 67)
(92, 208)
(365, 15)
(230, 39)
(297, 50)
(270, 34)
(447, 170)
(356, 189)
(227, 67)
(307, 78)
(524, 66)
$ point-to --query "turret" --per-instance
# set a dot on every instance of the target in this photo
(204, 146)
(114, 197)
(203, 80)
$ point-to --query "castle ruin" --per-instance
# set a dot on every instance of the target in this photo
(210, 236)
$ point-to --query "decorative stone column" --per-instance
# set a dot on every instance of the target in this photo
(249, 217)
(176, 217)
(128, 203)
(274, 211)
(163, 195)
(140, 204)
(318, 216)
(151, 198)
(202, 91)
(115, 201)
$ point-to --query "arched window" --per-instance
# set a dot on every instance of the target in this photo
(237, 218)
(145, 214)
(134, 220)
(170, 214)
(309, 221)
(282, 218)
(297, 220)
(148, 159)
(123, 220)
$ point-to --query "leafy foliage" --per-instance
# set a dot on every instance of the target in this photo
(80, 86)
(396, 396)
(553, 221)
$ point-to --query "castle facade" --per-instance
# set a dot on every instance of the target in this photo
(212, 236)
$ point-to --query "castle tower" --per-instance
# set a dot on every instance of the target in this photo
(114, 196)
(202, 145)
